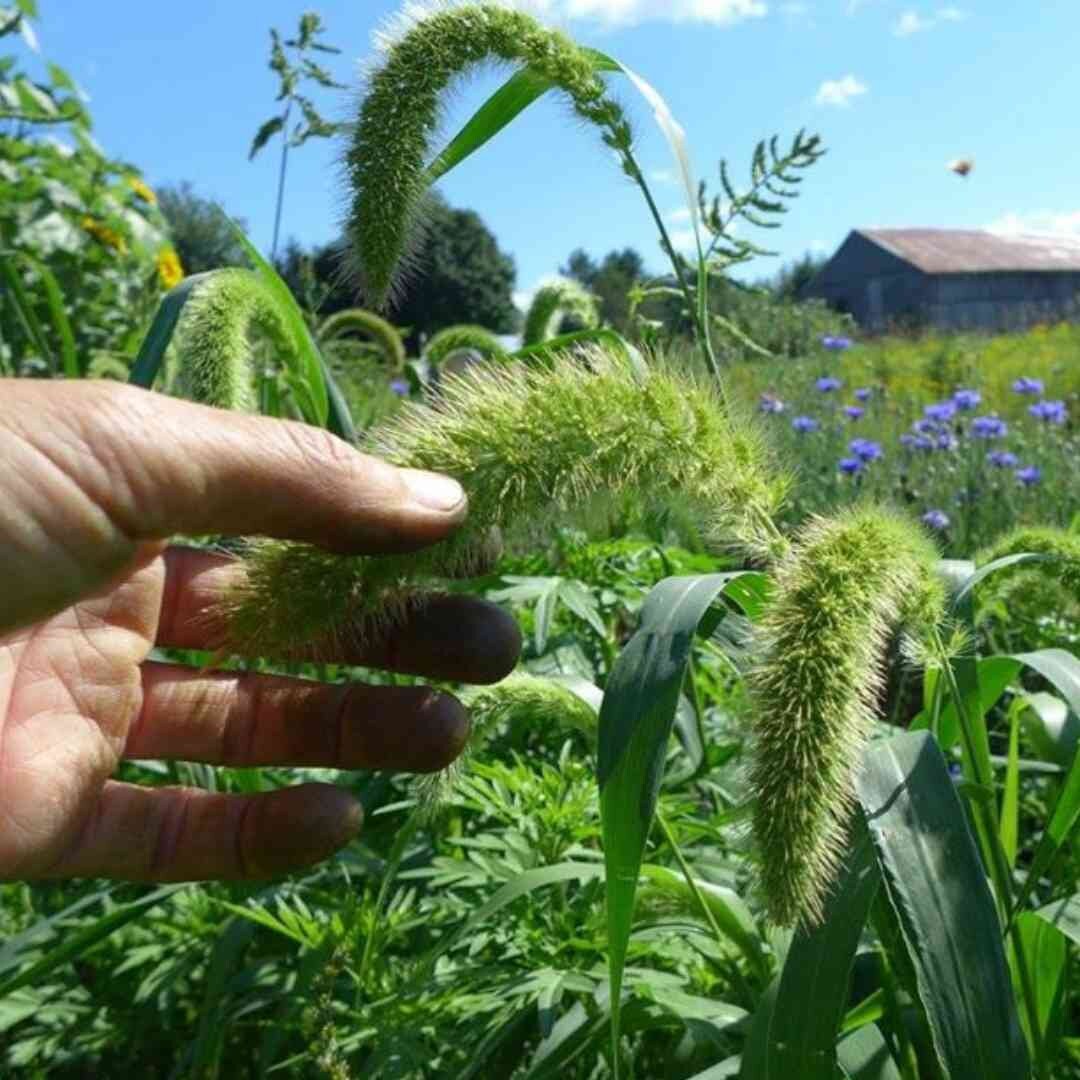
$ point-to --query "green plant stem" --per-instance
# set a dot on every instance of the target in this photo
(281, 179)
(700, 323)
(989, 832)
(687, 873)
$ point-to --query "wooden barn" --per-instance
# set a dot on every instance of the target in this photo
(954, 279)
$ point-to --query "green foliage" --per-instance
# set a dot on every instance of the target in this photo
(200, 230)
(610, 281)
(840, 595)
(384, 336)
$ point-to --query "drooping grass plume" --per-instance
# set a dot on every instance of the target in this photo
(535, 703)
(555, 301)
(213, 335)
(463, 338)
(375, 328)
(846, 586)
(530, 446)
(391, 141)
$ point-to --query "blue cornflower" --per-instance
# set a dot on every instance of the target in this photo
(853, 412)
(936, 519)
(400, 387)
(828, 383)
(924, 427)
(804, 424)
(851, 465)
(1002, 459)
(945, 440)
(838, 343)
(1030, 474)
(966, 399)
(865, 449)
(864, 393)
(1024, 385)
(1053, 412)
(770, 403)
(989, 427)
(942, 411)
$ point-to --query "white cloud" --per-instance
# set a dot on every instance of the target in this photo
(911, 22)
(628, 12)
(663, 176)
(678, 216)
(839, 92)
(683, 241)
(1038, 222)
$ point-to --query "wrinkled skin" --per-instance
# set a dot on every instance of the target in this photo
(95, 479)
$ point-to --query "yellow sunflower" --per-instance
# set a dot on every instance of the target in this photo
(169, 268)
(101, 232)
(142, 190)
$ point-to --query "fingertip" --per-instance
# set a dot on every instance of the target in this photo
(445, 734)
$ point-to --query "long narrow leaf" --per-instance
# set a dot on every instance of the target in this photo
(152, 351)
(864, 1055)
(813, 993)
(635, 723)
(935, 883)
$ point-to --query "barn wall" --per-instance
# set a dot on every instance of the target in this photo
(880, 290)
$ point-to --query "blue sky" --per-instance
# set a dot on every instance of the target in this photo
(896, 88)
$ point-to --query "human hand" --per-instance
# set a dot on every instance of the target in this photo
(94, 479)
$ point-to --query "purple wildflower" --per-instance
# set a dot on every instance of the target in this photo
(828, 383)
(937, 520)
(1029, 474)
(400, 387)
(853, 412)
(851, 465)
(865, 449)
(945, 440)
(804, 424)
(925, 427)
(837, 343)
(1003, 459)
(1053, 412)
(864, 393)
(942, 411)
(989, 427)
(1024, 385)
(770, 403)
(966, 399)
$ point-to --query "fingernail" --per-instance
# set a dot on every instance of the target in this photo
(433, 491)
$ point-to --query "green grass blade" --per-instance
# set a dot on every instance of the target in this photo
(964, 594)
(1010, 800)
(864, 1055)
(547, 350)
(935, 883)
(1062, 669)
(152, 351)
(54, 299)
(1045, 948)
(509, 101)
(813, 994)
(636, 719)
(24, 309)
(1065, 915)
(75, 944)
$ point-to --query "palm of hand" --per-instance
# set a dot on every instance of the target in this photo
(70, 692)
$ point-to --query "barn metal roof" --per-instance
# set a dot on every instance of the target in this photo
(973, 251)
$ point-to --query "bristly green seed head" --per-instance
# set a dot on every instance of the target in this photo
(531, 447)
(390, 144)
(847, 585)
(555, 301)
(534, 703)
(383, 334)
(212, 338)
(455, 339)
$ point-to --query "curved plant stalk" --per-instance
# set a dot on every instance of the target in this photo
(374, 327)
(553, 302)
(464, 338)
(391, 142)
(530, 447)
(847, 585)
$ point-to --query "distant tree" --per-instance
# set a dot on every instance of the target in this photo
(200, 232)
(790, 279)
(609, 280)
(459, 276)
